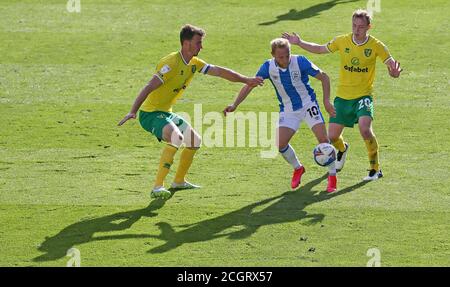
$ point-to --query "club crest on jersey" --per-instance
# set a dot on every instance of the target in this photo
(295, 75)
(164, 70)
(367, 52)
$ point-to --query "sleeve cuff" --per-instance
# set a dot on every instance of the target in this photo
(205, 69)
(159, 77)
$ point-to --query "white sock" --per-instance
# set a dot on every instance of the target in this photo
(289, 155)
(332, 168)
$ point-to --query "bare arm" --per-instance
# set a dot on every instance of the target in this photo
(154, 83)
(326, 93)
(295, 39)
(233, 76)
(239, 99)
(393, 68)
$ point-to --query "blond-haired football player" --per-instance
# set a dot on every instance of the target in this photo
(289, 75)
(354, 103)
(173, 74)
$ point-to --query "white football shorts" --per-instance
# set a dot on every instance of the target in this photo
(309, 113)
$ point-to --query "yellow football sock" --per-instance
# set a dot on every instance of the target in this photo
(165, 163)
(339, 144)
(186, 158)
(372, 151)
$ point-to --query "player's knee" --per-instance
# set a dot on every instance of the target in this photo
(333, 136)
(192, 139)
(367, 133)
(172, 135)
(176, 138)
(197, 141)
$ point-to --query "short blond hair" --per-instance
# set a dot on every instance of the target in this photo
(362, 14)
(279, 43)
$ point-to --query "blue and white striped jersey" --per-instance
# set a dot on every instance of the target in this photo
(291, 84)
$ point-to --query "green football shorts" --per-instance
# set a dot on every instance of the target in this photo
(154, 122)
(349, 111)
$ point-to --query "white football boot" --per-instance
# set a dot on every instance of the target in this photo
(160, 192)
(184, 185)
(373, 175)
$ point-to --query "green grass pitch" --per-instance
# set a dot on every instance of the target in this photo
(69, 177)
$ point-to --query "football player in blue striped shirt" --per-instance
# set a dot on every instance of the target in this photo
(289, 75)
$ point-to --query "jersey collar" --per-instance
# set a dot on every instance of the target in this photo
(182, 58)
(365, 41)
(282, 69)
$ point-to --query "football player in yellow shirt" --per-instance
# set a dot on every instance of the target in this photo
(354, 101)
(173, 74)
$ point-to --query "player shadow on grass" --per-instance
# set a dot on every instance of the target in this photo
(283, 208)
(55, 247)
(286, 207)
(310, 12)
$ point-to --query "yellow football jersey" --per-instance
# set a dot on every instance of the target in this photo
(176, 75)
(357, 71)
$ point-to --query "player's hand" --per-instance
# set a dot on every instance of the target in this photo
(394, 69)
(293, 39)
(256, 81)
(330, 109)
(229, 109)
(126, 118)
